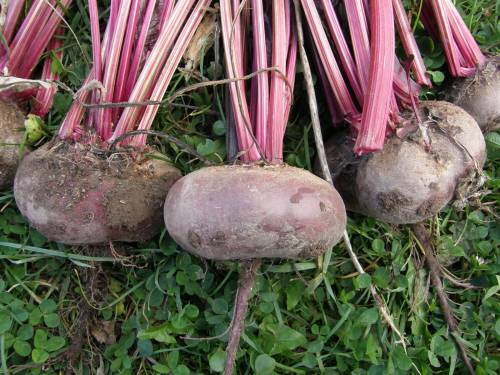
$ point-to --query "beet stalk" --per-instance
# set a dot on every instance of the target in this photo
(27, 37)
(260, 207)
(80, 189)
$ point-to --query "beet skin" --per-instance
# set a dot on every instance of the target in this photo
(406, 182)
(480, 95)
(75, 197)
(11, 121)
(247, 212)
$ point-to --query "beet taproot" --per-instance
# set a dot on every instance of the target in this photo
(405, 182)
(479, 95)
(11, 120)
(73, 196)
(251, 211)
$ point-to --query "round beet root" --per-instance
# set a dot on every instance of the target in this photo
(480, 95)
(74, 197)
(406, 183)
(11, 120)
(248, 212)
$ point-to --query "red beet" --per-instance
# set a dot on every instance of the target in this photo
(73, 196)
(11, 120)
(248, 212)
(404, 182)
(480, 95)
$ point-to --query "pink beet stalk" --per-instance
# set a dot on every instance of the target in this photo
(130, 71)
(342, 48)
(410, 44)
(260, 136)
(377, 102)
(42, 103)
(28, 37)
(262, 80)
(337, 84)
(360, 39)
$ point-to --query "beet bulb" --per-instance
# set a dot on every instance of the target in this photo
(408, 181)
(73, 196)
(247, 212)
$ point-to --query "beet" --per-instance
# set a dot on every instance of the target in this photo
(404, 182)
(247, 212)
(73, 196)
(11, 120)
(480, 95)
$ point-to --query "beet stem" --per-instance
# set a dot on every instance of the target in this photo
(424, 240)
(248, 272)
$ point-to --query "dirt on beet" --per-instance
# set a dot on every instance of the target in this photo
(76, 194)
(11, 121)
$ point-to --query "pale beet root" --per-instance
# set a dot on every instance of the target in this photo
(480, 95)
(74, 197)
(11, 121)
(247, 212)
(406, 183)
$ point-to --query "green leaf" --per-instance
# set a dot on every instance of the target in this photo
(47, 306)
(40, 338)
(25, 332)
(161, 369)
(217, 361)
(5, 322)
(55, 343)
(381, 277)
(145, 348)
(369, 316)
(51, 320)
(219, 306)
(363, 281)
(219, 128)
(35, 316)
(173, 359)
(181, 370)
(433, 359)
(22, 348)
(294, 293)
(497, 327)
(289, 338)
(264, 364)
(401, 359)
(378, 246)
(160, 334)
(437, 76)
(39, 355)
(493, 145)
(206, 148)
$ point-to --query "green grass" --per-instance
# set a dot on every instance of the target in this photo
(157, 310)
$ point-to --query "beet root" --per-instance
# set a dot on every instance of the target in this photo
(480, 95)
(72, 196)
(248, 212)
(405, 182)
(11, 120)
